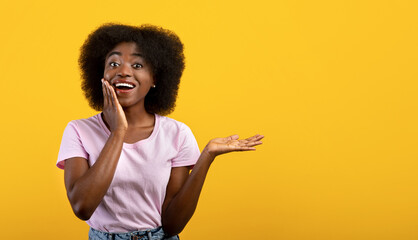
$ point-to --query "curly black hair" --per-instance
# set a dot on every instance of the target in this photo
(161, 48)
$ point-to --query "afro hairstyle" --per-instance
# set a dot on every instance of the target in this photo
(161, 48)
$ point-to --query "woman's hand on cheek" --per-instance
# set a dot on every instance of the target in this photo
(232, 143)
(112, 110)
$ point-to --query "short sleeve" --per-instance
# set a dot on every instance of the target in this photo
(71, 145)
(189, 152)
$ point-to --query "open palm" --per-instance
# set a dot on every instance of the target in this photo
(232, 143)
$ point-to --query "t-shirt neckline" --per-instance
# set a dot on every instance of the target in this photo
(135, 144)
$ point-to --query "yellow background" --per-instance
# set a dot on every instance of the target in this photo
(331, 84)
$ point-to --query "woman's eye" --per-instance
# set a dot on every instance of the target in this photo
(137, 65)
(114, 64)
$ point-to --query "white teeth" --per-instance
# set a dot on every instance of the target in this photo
(124, 85)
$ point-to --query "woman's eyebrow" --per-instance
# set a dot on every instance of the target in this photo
(114, 53)
(120, 54)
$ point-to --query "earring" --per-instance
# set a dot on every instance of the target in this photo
(153, 86)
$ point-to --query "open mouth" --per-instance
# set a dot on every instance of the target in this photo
(124, 86)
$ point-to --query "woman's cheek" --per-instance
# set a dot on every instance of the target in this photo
(106, 75)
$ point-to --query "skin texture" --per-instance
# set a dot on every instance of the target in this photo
(128, 121)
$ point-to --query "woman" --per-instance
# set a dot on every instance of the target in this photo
(127, 169)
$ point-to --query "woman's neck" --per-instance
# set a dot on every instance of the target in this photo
(138, 117)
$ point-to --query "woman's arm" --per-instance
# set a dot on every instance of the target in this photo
(86, 186)
(183, 190)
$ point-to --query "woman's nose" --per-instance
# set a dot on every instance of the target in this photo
(125, 70)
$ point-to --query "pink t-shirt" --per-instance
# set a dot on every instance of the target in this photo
(135, 196)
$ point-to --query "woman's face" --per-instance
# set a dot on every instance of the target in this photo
(128, 73)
